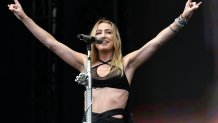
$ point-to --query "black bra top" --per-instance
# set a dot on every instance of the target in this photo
(112, 80)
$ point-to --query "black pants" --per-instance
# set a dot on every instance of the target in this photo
(106, 117)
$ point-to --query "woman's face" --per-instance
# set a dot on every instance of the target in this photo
(105, 32)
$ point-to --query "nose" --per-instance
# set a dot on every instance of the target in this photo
(103, 35)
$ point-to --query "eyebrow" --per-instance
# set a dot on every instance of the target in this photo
(105, 30)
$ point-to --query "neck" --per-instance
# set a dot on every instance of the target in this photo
(105, 56)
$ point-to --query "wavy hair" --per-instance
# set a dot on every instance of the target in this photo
(117, 58)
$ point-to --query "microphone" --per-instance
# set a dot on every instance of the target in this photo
(90, 39)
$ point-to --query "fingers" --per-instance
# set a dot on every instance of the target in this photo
(188, 2)
(12, 7)
(195, 5)
(16, 2)
(199, 4)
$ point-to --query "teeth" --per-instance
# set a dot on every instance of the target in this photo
(105, 42)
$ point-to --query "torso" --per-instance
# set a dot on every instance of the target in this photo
(107, 98)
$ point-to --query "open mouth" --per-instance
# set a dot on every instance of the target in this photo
(105, 42)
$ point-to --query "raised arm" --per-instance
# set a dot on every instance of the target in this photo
(136, 58)
(75, 59)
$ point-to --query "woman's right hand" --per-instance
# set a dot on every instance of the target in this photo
(17, 9)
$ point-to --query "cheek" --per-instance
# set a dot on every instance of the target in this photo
(112, 44)
(113, 37)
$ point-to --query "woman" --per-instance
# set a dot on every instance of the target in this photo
(111, 72)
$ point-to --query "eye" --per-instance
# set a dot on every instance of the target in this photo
(109, 32)
(98, 33)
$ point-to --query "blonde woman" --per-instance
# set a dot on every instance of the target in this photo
(111, 72)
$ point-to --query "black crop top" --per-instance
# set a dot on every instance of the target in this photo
(112, 80)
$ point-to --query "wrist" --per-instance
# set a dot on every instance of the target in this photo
(181, 21)
(23, 17)
(185, 16)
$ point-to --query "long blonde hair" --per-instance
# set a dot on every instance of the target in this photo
(117, 58)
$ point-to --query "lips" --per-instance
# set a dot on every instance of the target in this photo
(105, 42)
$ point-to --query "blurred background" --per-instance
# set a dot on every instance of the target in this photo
(179, 84)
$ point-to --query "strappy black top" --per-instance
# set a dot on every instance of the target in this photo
(113, 79)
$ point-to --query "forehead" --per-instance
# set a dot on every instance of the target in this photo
(103, 26)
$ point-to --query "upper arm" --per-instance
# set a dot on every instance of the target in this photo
(71, 57)
(138, 57)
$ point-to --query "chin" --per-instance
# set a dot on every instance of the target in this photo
(104, 49)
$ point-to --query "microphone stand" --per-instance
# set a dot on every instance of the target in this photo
(88, 105)
(86, 78)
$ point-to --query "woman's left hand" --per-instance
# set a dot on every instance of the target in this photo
(190, 7)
